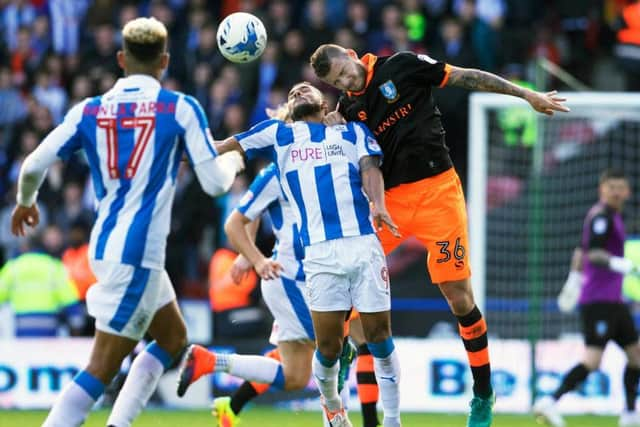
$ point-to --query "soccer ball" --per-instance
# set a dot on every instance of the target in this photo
(241, 37)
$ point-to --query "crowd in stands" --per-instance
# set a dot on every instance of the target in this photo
(54, 53)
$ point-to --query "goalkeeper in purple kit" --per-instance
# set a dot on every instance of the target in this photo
(595, 284)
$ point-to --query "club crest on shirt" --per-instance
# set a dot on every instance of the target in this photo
(599, 225)
(389, 91)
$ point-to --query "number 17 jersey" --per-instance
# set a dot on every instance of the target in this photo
(134, 137)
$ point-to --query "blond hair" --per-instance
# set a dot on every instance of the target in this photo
(145, 39)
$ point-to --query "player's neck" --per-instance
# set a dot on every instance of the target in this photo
(313, 118)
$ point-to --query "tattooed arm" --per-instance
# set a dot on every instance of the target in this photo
(479, 80)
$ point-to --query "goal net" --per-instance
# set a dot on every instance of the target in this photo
(532, 179)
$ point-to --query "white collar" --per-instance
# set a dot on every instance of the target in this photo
(137, 80)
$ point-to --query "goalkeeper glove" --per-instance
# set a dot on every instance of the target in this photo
(570, 293)
(623, 266)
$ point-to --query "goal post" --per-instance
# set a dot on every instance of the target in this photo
(531, 180)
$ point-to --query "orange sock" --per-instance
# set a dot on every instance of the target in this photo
(473, 330)
(367, 386)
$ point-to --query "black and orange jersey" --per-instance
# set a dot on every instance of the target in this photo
(398, 107)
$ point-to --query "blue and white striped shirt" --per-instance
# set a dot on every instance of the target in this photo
(320, 174)
(134, 137)
(265, 194)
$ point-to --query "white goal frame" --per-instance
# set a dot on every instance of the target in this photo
(479, 105)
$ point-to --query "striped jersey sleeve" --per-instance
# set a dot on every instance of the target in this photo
(62, 141)
(366, 143)
(197, 135)
(264, 190)
(261, 138)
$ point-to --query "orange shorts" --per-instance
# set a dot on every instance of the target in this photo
(433, 210)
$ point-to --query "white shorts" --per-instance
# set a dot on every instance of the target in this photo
(286, 300)
(125, 298)
(347, 272)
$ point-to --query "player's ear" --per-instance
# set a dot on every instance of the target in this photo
(352, 53)
(121, 59)
(164, 61)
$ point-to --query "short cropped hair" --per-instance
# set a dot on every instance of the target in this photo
(612, 173)
(145, 39)
(321, 58)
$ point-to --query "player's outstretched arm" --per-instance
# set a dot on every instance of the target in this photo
(32, 174)
(606, 259)
(373, 186)
(236, 229)
(472, 79)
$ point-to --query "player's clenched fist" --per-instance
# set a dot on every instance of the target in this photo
(29, 215)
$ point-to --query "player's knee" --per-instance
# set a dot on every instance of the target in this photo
(461, 303)
(330, 349)
(174, 341)
(296, 380)
(377, 331)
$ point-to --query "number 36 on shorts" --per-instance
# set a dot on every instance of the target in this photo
(450, 251)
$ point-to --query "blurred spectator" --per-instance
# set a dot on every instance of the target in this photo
(81, 88)
(13, 107)
(219, 94)
(192, 212)
(391, 21)
(231, 302)
(51, 95)
(318, 28)
(278, 20)
(23, 57)
(65, 24)
(235, 120)
(15, 15)
(40, 39)
(628, 48)
(39, 290)
(227, 203)
(72, 210)
(358, 17)
(76, 258)
(414, 20)
(206, 50)
(267, 76)
(293, 58)
(100, 56)
(346, 37)
(484, 20)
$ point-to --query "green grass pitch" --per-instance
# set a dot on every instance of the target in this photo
(264, 416)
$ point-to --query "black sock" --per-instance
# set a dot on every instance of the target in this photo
(473, 331)
(369, 415)
(575, 376)
(631, 378)
(242, 396)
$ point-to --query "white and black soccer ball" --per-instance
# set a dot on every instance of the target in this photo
(241, 37)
